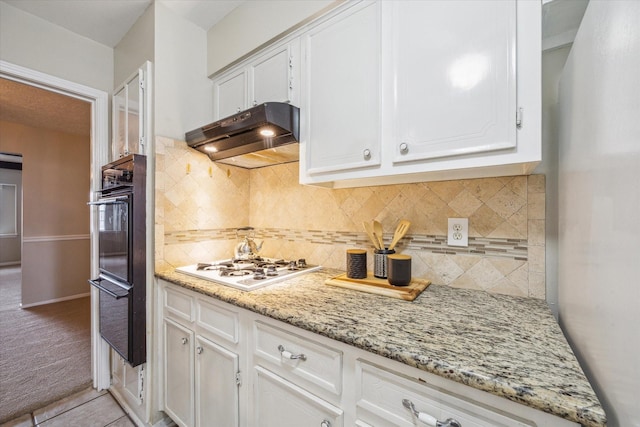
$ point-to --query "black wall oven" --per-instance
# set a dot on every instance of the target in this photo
(121, 209)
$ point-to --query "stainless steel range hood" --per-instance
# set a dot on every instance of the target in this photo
(261, 136)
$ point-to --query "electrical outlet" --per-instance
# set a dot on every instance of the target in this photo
(458, 232)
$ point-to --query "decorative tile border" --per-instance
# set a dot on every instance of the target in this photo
(516, 249)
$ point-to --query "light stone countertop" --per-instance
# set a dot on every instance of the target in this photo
(508, 346)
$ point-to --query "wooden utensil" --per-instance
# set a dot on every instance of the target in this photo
(369, 229)
(377, 231)
(401, 230)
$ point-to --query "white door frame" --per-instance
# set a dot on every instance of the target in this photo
(99, 100)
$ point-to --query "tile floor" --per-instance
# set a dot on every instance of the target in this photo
(88, 408)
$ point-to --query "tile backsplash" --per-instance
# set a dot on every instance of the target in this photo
(199, 204)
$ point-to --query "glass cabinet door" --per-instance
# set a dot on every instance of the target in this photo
(133, 116)
(130, 114)
(120, 148)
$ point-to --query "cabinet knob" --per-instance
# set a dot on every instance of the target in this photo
(429, 419)
(288, 355)
(255, 102)
(404, 148)
(239, 109)
(199, 350)
(366, 154)
(325, 423)
(185, 340)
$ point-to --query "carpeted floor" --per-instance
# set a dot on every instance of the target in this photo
(45, 351)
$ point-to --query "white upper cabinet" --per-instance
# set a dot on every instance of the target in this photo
(341, 91)
(428, 90)
(454, 89)
(272, 75)
(131, 107)
(230, 94)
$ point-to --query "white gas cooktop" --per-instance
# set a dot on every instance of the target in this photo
(250, 274)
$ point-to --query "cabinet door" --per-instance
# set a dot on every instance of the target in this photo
(131, 105)
(230, 94)
(119, 139)
(279, 403)
(454, 83)
(178, 373)
(341, 91)
(272, 75)
(217, 397)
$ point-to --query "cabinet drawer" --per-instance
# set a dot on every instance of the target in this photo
(178, 304)
(283, 404)
(218, 320)
(380, 395)
(299, 358)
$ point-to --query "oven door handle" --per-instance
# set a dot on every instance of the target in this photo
(109, 200)
(97, 284)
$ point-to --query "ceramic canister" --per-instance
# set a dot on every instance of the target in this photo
(399, 273)
(356, 263)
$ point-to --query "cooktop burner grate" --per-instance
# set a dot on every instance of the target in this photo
(248, 274)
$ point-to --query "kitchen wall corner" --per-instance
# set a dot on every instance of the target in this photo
(199, 204)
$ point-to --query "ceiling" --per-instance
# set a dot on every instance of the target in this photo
(107, 21)
(35, 107)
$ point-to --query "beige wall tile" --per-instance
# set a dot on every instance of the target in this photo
(536, 184)
(196, 194)
(536, 206)
(536, 235)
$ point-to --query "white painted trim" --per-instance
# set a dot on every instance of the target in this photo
(99, 101)
(51, 301)
(38, 239)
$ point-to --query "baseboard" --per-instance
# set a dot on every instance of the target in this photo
(51, 301)
(9, 263)
(165, 422)
(126, 408)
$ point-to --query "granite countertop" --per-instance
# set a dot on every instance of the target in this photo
(508, 346)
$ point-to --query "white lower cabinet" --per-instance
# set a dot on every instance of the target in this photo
(388, 399)
(229, 367)
(178, 373)
(217, 400)
(201, 376)
(280, 403)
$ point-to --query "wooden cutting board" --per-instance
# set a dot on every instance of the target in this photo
(377, 286)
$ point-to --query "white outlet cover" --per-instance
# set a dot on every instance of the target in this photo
(458, 232)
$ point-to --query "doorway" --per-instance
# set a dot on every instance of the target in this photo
(10, 208)
(99, 147)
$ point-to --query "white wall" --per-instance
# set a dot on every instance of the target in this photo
(136, 47)
(183, 95)
(599, 201)
(254, 23)
(552, 65)
(34, 43)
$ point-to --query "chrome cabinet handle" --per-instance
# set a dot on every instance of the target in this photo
(325, 423)
(366, 154)
(199, 350)
(288, 355)
(428, 419)
(185, 340)
(404, 148)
